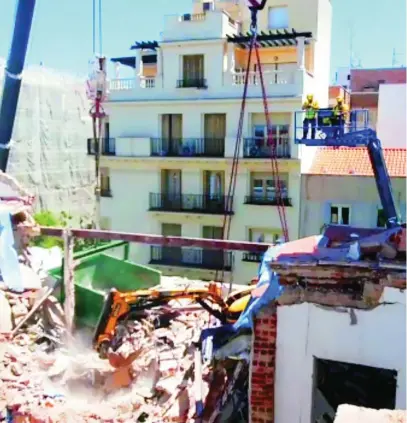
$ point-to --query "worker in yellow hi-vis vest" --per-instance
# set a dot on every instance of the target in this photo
(310, 107)
(340, 112)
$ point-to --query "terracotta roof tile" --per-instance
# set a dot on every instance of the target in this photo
(345, 161)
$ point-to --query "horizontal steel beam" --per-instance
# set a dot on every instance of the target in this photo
(168, 241)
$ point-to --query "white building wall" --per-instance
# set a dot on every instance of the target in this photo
(307, 331)
(392, 112)
(322, 67)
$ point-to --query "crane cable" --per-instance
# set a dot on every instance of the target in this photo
(272, 143)
(227, 218)
(97, 112)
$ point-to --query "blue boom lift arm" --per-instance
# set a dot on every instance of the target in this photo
(358, 136)
(13, 76)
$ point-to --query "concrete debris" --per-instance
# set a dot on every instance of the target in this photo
(41, 380)
(6, 321)
(352, 414)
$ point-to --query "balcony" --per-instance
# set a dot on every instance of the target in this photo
(189, 203)
(252, 257)
(199, 83)
(128, 84)
(199, 26)
(270, 200)
(108, 147)
(188, 147)
(229, 84)
(257, 148)
(276, 77)
(191, 257)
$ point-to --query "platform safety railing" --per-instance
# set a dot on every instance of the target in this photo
(328, 127)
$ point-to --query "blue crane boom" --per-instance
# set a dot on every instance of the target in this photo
(13, 76)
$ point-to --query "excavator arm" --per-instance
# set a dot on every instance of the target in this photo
(118, 305)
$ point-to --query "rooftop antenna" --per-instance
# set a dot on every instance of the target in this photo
(351, 36)
(394, 62)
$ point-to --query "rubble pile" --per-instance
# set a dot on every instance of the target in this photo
(45, 379)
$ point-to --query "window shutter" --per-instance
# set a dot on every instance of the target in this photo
(327, 213)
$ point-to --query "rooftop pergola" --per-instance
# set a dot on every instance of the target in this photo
(145, 45)
(126, 61)
(277, 38)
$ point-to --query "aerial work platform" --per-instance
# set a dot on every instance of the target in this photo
(330, 133)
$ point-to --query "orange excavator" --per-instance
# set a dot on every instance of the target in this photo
(119, 306)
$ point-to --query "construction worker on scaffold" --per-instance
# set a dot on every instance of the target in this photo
(310, 107)
(340, 112)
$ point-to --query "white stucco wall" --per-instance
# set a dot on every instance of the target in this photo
(391, 120)
(306, 331)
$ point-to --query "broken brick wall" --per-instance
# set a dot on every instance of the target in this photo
(262, 369)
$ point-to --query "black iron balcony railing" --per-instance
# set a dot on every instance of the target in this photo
(108, 147)
(252, 257)
(192, 257)
(188, 147)
(190, 203)
(254, 148)
(267, 200)
(192, 83)
(105, 192)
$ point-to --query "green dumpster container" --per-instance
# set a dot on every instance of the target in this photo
(96, 273)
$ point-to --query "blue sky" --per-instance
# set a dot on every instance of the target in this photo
(62, 30)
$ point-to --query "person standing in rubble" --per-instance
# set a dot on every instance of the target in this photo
(310, 107)
(340, 112)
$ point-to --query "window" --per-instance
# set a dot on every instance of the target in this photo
(381, 219)
(263, 186)
(208, 5)
(105, 182)
(193, 70)
(269, 236)
(171, 126)
(215, 125)
(171, 133)
(278, 17)
(340, 215)
(212, 232)
(279, 134)
(171, 229)
(213, 182)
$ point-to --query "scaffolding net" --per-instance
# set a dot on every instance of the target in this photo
(48, 153)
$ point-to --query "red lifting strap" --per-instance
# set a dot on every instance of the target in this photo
(274, 161)
(255, 6)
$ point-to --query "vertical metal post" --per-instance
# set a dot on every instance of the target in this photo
(13, 77)
(69, 283)
(126, 251)
(198, 381)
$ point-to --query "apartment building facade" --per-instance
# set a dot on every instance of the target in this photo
(366, 85)
(172, 131)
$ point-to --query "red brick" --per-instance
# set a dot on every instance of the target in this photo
(263, 367)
